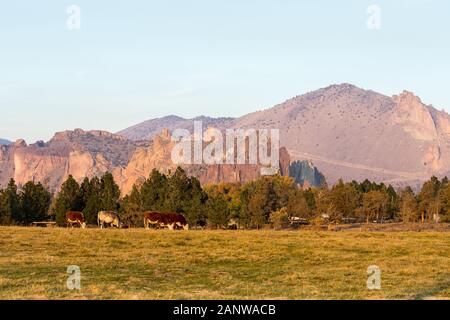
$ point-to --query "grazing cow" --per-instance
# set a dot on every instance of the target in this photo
(152, 218)
(108, 217)
(162, 220)
(179, 220)
(74, 217)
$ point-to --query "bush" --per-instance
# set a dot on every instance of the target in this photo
(279, 219)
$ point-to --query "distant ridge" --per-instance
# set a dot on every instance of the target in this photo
(349, 133)
(346, 131)
(4, 142)
(148, 129)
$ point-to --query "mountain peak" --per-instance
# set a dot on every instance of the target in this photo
(408, 99)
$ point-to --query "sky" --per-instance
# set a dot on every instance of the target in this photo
(130, 61)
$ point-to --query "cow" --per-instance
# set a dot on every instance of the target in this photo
(152, 218)
(179, 220)
(167, 219)
(75, 217)
(108, 217)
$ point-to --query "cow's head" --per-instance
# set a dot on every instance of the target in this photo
(117, 223)
(83, 225)
(186, 227)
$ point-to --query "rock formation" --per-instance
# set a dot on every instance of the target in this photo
(346, 131)
(92, 153)
(352, 133)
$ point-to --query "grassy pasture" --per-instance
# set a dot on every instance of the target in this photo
(140, 264)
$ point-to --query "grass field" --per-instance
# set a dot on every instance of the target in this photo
(140, 264)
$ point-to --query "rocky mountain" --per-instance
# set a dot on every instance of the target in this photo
(148, 129)
(352, 133)
(347, 132)
(76, 153)
(305, 174)
(4, 142)
(92, 153)
(158, 156)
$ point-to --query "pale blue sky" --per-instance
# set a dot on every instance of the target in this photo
(139, 59)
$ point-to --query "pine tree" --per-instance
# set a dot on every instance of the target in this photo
(131, 208)
(297, 205)
(92, 200)
(69, 198)
(408, 206)
(427, 198)
(34, 203)
(154, 191)
(110, 193)
(9, 204)
(218, 211)
(375, 205)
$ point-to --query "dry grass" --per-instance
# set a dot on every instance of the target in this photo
(140, 264)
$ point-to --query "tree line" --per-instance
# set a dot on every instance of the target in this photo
(270, 200)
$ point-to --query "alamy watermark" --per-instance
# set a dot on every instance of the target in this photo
(74, 279)
(374, 278)
(233, 146)
(73, 21)
(374, 19)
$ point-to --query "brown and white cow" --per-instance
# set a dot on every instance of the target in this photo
(108, 217)
(152, 218)
(165, 219)
(75, 217)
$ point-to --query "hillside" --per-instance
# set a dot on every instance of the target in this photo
(353, 133)
(92, 153)
(346, 131)
(148, 129)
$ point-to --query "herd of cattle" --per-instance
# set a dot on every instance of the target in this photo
(158, 220)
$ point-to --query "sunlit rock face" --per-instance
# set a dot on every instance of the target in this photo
(92, 153)
(346, 131)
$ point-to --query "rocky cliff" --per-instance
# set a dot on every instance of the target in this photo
(77, 153)
(92, 153)
(346, 131)
(352, 133)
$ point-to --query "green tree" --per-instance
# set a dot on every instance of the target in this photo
(428, 198)
(375, 205)
(131, 208)
(343, 200)
(69, 198)
(109, 193)
(186, 196)
(408, 205)
(445, 202)
(9, 204)
(91, 191)
(279, 219)
(257, 207)
(218, 211)
(34, 203)
(154, 191)
(297, 205)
